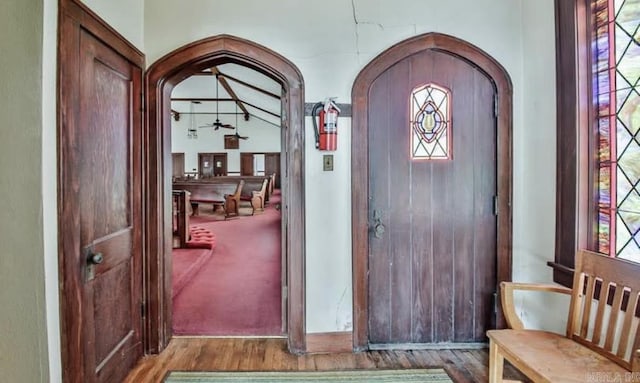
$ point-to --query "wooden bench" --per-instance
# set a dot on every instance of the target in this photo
(225, 195)
(251, 183)
(180, 218)
(602, 338)
(257, 198)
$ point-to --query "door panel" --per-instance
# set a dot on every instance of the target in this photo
(100, 207)
(246, 164)
(433, 270)
(220, 164)
(205, 165)
(272, 165)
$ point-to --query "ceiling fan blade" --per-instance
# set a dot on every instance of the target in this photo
(227, 126)
(242, 137)
(205, 126)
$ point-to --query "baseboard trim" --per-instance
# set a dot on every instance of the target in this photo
(427, 346)
(329, 342)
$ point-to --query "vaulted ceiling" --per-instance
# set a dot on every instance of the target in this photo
(238, 92)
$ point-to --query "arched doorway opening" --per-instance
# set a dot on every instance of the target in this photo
(392, 82)
(161, 77)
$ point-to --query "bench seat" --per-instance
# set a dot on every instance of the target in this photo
(548, 357)
(602, 339)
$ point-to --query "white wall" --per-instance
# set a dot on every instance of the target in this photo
(50, 190)
(263, 137)
(330, 42)
(534, 217)
(125, 16)
(24, 354)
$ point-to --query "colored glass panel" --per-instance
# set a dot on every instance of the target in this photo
(430, 122)
(616, 71)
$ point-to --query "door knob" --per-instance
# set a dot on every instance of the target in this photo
(378, 227)
(95, 258)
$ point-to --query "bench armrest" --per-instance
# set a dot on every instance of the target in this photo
(506, 294)
(635, 361)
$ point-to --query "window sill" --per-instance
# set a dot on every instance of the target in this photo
(562, 274)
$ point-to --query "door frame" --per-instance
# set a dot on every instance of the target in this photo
(360, 169)
(160, 78)
(72, 17)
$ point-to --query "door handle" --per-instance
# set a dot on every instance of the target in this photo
(95, 258)
(378, 226)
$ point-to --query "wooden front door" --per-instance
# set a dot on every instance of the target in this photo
(272, 165)
(432, 242)
(220, 164)
(246, 164)
(100, 204)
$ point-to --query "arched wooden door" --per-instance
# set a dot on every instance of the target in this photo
(432, 201)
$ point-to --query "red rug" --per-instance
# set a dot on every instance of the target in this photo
(237, 290)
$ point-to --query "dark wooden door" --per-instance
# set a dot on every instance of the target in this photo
(205, 165)
(246, 164)
(220, 164)
(177, 165)
(100, 208)
(272, 165)
(432, 261)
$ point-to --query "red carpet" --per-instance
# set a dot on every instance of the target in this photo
(237, 290)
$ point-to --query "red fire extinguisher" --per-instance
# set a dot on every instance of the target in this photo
(327, 134)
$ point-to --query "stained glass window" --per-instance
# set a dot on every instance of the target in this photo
(616, 68)
(430, 123)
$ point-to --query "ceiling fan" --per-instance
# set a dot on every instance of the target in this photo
(217, 124)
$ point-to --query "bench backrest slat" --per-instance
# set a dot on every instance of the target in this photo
(617, 285)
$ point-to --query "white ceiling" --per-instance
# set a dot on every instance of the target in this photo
(205, 87)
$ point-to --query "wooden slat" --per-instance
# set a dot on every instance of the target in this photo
(379, 269)
(587, 302)
(602, 304)
(399, 227)
(613, 318)
(626, 325)
(422, 249)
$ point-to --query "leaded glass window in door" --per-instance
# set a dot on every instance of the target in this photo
(430, 123)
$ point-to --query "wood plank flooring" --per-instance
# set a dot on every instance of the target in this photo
(233, 354)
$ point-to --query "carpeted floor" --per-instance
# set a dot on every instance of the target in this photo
(430, 375)
(237, 290)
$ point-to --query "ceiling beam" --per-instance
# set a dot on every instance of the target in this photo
(256, 88)
(223, 81)
(262, 110)
(202, 99)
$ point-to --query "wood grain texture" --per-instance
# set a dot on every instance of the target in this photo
(190, 354)
(99, 198)
(329, 342)
(575, 217)
(588, 348)
(361, 211)
(160, 79)
(438, 252)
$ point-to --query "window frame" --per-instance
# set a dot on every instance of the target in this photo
(576, 189)
(577, 138)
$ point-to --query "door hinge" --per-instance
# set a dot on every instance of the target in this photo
(143, 309)
(495, 105)
(495, 205)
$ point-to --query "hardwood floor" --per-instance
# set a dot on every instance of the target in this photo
(233, 354)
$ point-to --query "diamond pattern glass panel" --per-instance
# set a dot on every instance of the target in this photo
(616, 70)
(430, 122)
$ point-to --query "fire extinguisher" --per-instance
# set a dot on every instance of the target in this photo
(327, 134)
